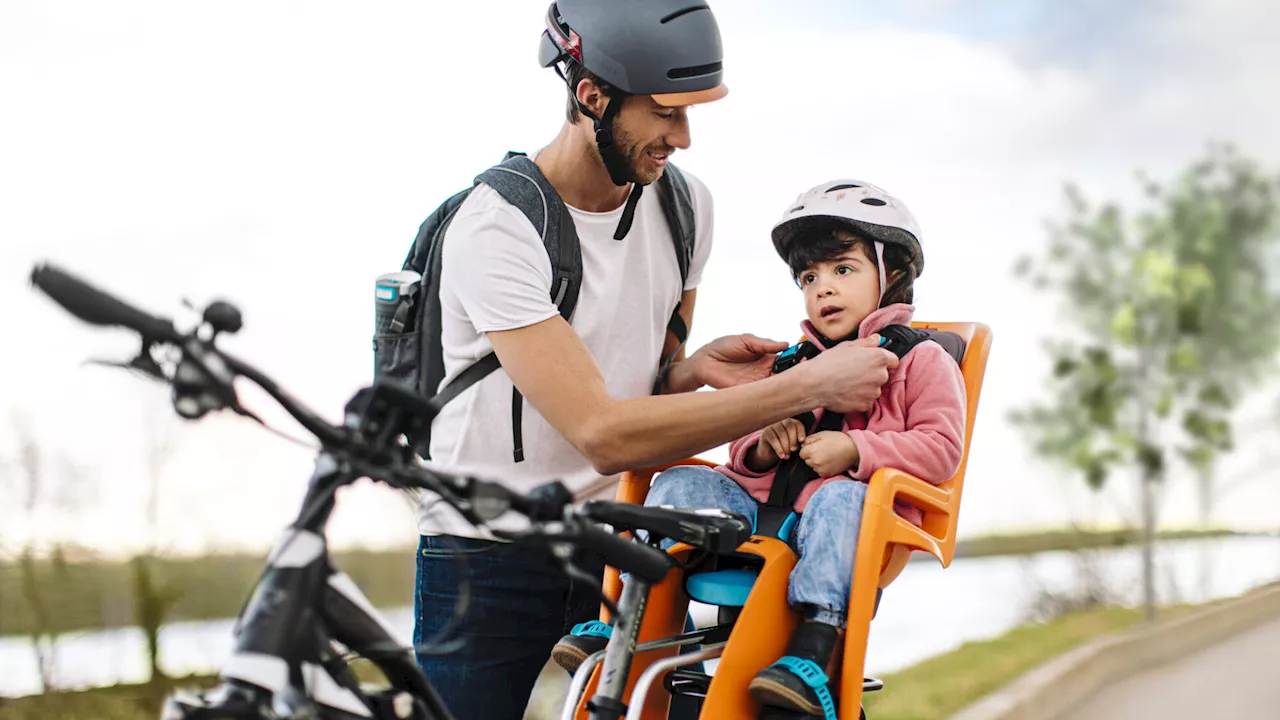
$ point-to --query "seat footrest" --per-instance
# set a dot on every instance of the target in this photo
(691, 683)
(772, 713)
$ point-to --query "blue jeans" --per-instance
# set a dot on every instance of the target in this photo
(826, 536)
(521, 603)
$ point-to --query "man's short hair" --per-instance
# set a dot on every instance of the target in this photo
(576, 73)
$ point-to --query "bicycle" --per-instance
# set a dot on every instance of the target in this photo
(305, 622)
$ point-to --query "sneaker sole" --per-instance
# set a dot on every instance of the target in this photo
(775, 694)
(568, 657)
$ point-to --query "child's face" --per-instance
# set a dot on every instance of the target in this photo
(839, 294)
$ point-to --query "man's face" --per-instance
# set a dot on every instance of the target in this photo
(646, 134)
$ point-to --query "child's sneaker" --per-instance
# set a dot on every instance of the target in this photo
(797, 681)
(585, 638)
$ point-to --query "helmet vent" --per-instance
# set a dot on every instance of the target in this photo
(796, 209)
(843, 187)
(678, 13)
(873, 201)
(695, 71)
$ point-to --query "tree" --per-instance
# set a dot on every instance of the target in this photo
(1170, 319)
(41, 488)
(153, 598)
(1224, 218)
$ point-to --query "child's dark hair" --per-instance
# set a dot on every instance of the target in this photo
(825, 244)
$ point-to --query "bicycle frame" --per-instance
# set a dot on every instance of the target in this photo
(283, 637)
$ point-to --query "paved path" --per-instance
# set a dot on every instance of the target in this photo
(1238, 678)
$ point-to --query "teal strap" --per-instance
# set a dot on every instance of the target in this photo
(594, 628)
(812, 675)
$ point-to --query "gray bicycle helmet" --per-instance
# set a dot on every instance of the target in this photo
(668, 49)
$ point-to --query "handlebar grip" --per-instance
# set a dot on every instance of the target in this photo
(94, 306)
(647, 563)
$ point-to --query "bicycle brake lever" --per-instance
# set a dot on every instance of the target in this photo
(143, 363)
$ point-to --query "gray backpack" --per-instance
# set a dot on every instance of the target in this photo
(414, 357)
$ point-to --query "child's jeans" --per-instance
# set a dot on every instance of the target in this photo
(826, 536)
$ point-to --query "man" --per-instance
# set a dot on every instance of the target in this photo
(587, 413)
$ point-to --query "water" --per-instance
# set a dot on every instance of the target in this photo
(927, 611)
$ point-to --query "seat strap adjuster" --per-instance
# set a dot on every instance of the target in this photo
(814, 677)
(593, 628)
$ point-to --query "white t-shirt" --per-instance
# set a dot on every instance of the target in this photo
(496, 276)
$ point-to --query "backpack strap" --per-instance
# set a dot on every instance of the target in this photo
(677, 206)
(519, 181)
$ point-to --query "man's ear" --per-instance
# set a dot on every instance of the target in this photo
(590, 95)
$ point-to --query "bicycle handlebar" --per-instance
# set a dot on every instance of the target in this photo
(643, 561)
(94, 306)
(329, 435)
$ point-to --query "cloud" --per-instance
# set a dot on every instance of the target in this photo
(283, 156)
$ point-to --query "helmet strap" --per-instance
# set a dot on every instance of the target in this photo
(613, 160)
(880, 264)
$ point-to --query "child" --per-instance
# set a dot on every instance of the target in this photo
(854, 251)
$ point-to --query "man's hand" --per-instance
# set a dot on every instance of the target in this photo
(850, 374)
(829, 453)
(735, 360)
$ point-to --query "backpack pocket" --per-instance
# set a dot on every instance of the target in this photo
(396, 358)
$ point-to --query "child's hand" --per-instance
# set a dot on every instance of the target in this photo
(829, 453)
(777, 442)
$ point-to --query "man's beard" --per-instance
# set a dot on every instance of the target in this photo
(635, 159)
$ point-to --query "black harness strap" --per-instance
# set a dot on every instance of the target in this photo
(794, 473)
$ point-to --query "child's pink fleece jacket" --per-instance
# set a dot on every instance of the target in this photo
(916, 425)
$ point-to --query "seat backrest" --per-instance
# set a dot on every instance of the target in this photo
(977, 347)
(951, 342)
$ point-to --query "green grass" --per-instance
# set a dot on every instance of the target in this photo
(941, 686)
(120, 702)
(127, 702)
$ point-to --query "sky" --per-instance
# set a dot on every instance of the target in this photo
(281, 156)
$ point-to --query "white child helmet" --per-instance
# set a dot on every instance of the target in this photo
(856, 205)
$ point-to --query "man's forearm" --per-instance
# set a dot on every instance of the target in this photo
(557, 375)
(648, 431)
